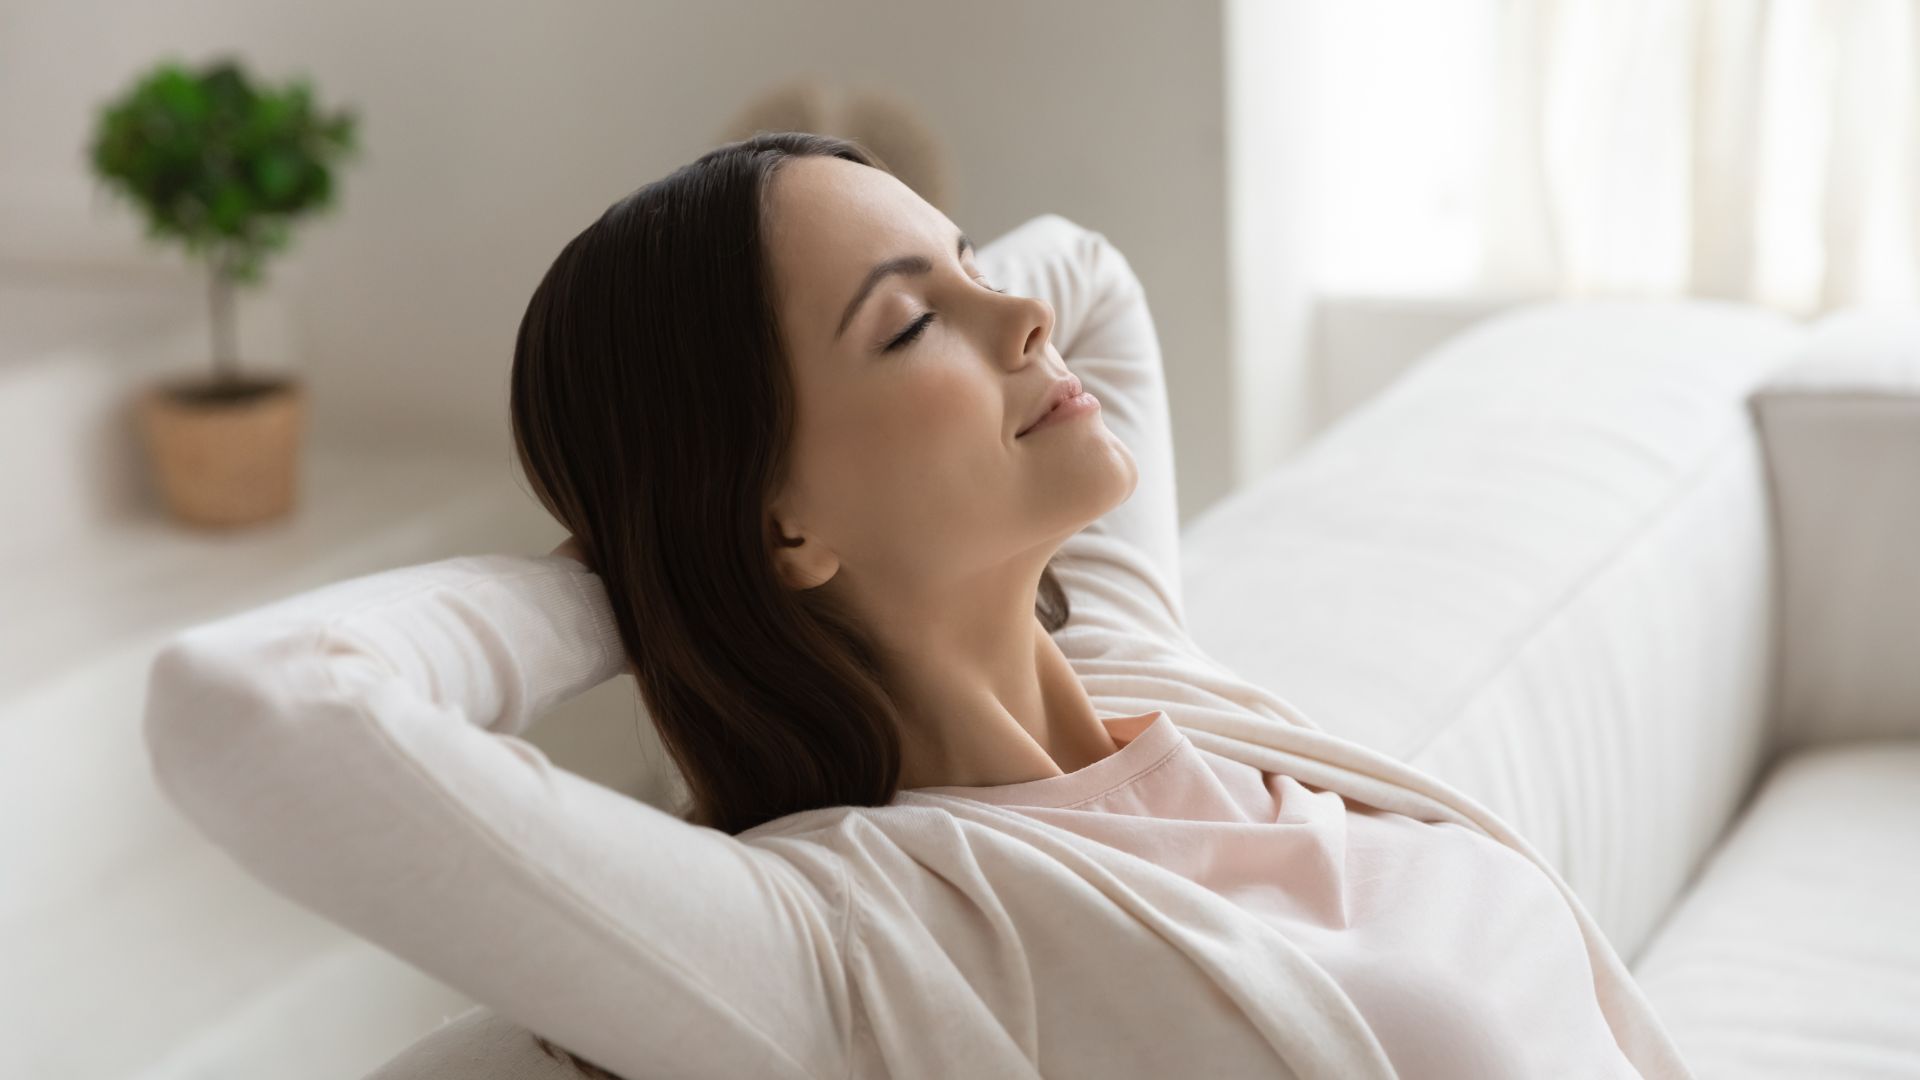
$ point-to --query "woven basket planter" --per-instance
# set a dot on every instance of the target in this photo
(225, 453)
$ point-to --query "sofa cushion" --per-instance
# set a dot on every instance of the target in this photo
(1797, 952)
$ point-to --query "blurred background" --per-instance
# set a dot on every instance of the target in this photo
(1314, 192)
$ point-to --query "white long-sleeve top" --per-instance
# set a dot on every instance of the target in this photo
(1234, 893)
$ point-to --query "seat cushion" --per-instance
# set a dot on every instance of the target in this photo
(479, 1044)
(1797, 951)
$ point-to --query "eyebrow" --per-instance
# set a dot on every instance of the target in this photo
(903, 264)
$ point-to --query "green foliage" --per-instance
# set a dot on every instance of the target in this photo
(219, 163)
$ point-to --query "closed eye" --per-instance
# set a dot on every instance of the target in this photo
(915, 327)
(912, 331)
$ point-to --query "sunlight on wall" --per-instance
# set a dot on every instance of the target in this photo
(1399, 142)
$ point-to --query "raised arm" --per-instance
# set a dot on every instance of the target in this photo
(357, 749)
(1126, 565)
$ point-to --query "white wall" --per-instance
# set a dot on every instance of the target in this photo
(494, 132)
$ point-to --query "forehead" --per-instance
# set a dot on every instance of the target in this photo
(828, 221)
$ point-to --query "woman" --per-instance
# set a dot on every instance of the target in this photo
(904, 605)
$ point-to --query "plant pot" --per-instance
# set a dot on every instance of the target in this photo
(225, 452)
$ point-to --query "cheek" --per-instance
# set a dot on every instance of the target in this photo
(943, 409)
(933, 404)
(927, 441)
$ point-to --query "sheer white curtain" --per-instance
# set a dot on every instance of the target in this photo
(1766, 151)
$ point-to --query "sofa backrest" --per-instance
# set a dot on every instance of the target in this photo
(1539, 566)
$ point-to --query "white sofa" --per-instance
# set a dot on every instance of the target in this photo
(1641, 576)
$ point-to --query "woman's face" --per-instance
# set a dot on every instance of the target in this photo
(906, 473)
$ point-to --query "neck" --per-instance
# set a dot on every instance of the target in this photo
(985, 694)
(1038, 722)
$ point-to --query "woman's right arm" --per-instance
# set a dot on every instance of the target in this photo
(357, 748)
(1127, 561)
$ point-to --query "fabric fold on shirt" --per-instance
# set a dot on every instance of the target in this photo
(1462, 958)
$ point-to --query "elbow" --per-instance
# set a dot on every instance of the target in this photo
(212, 712)
(192, 702)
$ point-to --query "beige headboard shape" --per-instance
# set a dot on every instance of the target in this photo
(884, 125)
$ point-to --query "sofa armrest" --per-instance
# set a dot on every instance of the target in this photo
(1840, 428)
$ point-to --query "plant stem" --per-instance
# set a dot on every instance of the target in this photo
(220, 299)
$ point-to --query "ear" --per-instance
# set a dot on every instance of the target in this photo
(802, 559)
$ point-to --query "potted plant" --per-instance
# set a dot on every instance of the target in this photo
(224, 167)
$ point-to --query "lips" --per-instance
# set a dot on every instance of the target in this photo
(1060, 391)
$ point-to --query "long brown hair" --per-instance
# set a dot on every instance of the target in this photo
(652, 411)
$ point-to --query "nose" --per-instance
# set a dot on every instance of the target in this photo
(1035, 324)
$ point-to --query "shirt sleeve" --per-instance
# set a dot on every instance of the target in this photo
(357, 748)
(1122, 570)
